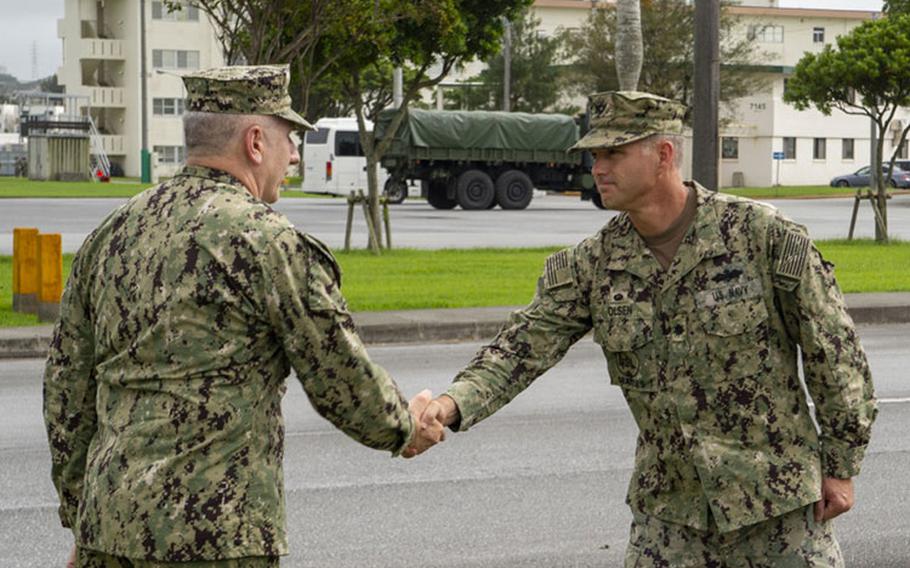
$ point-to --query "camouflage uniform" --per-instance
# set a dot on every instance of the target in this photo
(183, 315)
(705, 353)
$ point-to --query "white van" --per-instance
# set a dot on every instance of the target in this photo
(333, 160)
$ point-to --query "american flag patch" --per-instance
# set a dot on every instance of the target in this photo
(558, 271)
(793, 256)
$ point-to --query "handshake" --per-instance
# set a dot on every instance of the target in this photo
(430, 418)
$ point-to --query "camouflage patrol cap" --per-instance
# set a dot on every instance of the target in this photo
(252, 89)
(621, 117)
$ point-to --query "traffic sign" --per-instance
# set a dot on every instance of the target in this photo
(778, 155)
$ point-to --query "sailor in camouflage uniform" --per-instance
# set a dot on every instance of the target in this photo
(183, 315)
(700, 302)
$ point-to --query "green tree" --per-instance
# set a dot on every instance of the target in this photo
(254, 32)
(866, 75)
(896, 7)
(535, 77)
(426, 38)
(668, 29)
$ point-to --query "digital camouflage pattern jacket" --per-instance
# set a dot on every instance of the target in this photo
(184, 312)
(706, 356)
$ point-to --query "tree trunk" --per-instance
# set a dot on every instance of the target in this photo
(881, 195)
(373, 186)
(628, 48)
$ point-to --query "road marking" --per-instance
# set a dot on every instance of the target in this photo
(893, 400)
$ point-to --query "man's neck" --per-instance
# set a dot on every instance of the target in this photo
(656, 215)
(230, 166)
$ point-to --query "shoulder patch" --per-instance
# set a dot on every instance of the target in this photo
(793, 254)
(558, 271)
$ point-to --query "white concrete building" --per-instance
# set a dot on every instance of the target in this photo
(101, 60)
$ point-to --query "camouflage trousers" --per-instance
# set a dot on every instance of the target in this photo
(791, 540)
(86, 558)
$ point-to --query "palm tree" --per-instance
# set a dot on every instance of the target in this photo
(629, 49)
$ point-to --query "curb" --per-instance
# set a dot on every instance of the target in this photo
(455, 325)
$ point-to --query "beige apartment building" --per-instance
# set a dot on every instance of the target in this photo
(101, 62)
(815, 147)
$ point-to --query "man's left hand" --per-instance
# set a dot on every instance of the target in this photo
(837, 498)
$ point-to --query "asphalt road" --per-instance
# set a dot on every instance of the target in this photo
(541, 484)
(549, 220)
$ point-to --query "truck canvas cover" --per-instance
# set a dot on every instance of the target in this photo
(485, 129)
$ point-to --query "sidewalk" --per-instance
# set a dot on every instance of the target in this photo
(461, 324)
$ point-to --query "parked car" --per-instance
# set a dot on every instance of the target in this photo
(860, 178)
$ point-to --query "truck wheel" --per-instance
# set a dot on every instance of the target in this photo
(474, 190)
(514, 190)
(595, 199)
(437, 198)
(396, 190)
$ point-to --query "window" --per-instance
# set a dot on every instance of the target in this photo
(320, 136)
(766, 33)
(846, 149)
(789, 148)
(169, 154)
(818, 35)
(185, 14)
(347, 144)
(175, 59)
(167, 107)
(729, 148)
(902, 150)
(786, 82)
(819, 148)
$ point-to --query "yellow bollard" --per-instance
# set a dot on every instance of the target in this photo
(50, 276)
(25, 270)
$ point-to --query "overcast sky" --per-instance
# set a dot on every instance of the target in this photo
(29, 27)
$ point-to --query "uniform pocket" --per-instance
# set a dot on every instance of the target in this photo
(735, 338)
(626, 337)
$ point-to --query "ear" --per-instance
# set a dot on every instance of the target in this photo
(254, 143)
(667, 154)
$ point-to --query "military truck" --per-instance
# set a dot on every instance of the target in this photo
(480, 159)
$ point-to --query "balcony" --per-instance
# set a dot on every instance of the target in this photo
(104, 49)
(106, 97)
(113, 144)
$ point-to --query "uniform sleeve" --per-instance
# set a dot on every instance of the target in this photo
(304, 304)
(834, 363)
(533, 339)
(69, 394)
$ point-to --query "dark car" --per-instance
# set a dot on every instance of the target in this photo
(860, 178)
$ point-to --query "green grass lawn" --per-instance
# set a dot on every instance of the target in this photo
(796, 191)
(412, 279)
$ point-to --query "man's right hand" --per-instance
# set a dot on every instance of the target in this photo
(433, 418)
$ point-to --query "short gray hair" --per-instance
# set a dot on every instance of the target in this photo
(212, 133)
(676, 140)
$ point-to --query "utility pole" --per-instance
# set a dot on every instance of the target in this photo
(145, 155)
(506, 63)
(706, 94)
(34, 60)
